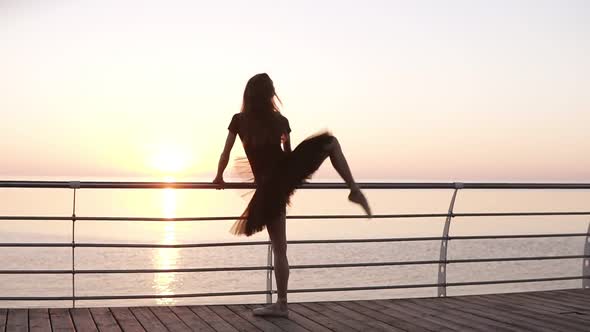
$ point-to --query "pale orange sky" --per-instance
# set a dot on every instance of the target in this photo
(422, 91)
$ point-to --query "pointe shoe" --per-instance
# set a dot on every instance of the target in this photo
(272, 310)
(356, 196)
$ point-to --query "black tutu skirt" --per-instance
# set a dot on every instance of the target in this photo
(274, 190)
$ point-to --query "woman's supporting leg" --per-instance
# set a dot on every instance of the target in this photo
(278, 237)
(341, 166)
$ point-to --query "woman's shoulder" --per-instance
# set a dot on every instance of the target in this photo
(281, 117)
(234, 124)
(284, 122)
(237, 118)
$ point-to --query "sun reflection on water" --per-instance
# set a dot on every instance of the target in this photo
(169, 204)
(166, 258)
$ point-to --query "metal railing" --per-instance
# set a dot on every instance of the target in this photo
(442, 262)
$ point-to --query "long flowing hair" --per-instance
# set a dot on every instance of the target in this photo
(260, 109)
(260, 96)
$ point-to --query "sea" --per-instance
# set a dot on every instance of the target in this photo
(171, 203)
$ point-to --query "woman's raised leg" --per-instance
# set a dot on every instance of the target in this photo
(341, 165)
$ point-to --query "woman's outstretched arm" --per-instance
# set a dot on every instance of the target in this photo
(224, 158)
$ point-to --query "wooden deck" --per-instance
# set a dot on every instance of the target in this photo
(563, 310)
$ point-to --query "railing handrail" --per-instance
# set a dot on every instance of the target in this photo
(313, 185)
(443, 261)
(299, 290)
(295, 266)
(316, 217)
(265, 243)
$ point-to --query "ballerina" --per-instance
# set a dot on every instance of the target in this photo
(278, 171)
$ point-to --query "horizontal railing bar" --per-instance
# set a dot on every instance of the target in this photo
(488, 282)
(516, 236)
(222, 218)
(303, 217)
(128, 297)
(316, 185)
(251, 243)
(177, 246)
(212, 269)
(515, 214)
(513, 281)
(301, 290)
(513, 259)
(38, 245)
(36, 272)
(304, 266)
(256, 243)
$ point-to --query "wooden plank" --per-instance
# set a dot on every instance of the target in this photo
(39, 320)
(126, 320)
(579, 316)
(17, 320)
(263, 324)
(554, 300)
(374, 314)
(526, 307)
(365, 321)
(424, 313)
(472, 305)
(233, 319)
(430, 307)
(402, 316)
(524, 298)
(61, 321)
(583, 314)
(539, 305)
(194, 322)
(216, 322)
(556, 310)
(573, 293)
(169, 319)
(83, 320)
(560, 310)
(577, 291)
(580, 292)
(298, 319)
(3, 318)
(104, 319)
(574, 299)
(459, 309)
(441, 308)
(147, 319)
(328, 312)
(417, 312)
(580, 299)
(319, 318)
(544, 320)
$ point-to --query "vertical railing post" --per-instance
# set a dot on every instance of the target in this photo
(586, 262)
(269, 264)
(444, 245)
(74, 185)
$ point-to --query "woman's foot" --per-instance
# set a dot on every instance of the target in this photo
(275, 310)
(356, 196)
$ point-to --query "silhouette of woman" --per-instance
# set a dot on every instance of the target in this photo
(277, 173)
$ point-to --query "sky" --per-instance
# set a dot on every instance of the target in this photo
(414, 90)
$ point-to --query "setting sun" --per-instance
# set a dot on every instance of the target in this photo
(169, 160)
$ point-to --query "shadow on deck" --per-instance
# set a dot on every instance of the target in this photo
(560, 310)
